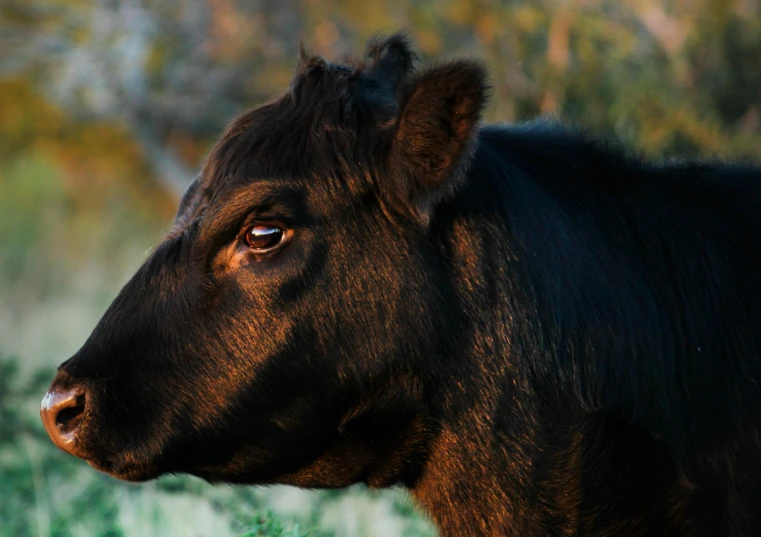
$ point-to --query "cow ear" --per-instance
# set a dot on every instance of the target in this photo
(439, 111)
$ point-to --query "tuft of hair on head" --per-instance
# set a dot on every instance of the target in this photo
(389, 59)
(439, 112)
(303, 52)
(387, 62)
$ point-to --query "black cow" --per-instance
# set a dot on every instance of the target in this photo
(536, 333)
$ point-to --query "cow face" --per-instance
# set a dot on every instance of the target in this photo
(282, 331)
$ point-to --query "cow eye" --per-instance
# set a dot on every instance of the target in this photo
(263, 238)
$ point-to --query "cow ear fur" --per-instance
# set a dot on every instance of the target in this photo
(439, 111)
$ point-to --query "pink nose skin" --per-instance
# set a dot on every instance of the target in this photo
(61, 412)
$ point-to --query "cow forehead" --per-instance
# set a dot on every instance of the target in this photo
(321, 127)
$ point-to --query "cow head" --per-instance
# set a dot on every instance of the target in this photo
(285, 329)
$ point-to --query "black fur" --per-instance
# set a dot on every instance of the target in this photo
(538, 334)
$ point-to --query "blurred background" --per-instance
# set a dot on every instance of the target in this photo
(107, 108)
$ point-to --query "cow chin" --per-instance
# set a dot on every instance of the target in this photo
(122, 466)
(131, 473)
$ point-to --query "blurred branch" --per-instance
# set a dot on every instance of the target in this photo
(156, 67)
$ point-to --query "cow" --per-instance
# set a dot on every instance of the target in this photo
(537, 332)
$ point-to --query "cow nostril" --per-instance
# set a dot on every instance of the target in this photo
(62, 412)
(68, 419)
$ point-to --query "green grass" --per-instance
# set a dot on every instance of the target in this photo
(270, 525)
